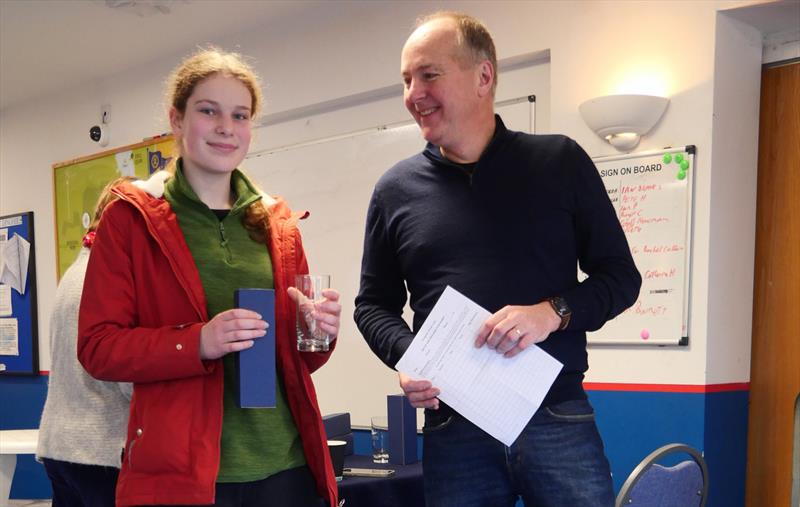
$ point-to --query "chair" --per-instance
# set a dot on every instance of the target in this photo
(654, 485)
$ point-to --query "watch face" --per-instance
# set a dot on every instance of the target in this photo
(562, 309)
(560, 306)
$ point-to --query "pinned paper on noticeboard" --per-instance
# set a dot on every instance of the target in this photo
(14, 270)
(9, 337)
(6, 308)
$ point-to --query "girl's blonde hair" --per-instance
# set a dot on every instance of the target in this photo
(181, 83)
(106, 198)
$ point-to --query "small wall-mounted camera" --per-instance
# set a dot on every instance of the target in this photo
(99, 134)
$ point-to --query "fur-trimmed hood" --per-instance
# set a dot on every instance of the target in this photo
(154, 186)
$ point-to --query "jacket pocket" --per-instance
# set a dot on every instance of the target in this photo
(161, 437)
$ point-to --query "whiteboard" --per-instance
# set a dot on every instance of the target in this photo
(333, 179)
(652, 194)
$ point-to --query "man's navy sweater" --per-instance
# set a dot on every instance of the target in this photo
(512, 231)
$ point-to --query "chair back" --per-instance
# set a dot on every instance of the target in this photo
(654, 485)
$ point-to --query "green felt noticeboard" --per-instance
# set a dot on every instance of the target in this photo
(77, 185)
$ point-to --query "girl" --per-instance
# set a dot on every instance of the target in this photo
(157, 311)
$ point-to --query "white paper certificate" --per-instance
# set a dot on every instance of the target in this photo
(498, 394)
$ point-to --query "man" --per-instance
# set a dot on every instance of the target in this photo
(505, 218)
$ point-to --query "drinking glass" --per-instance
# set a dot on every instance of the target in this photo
(310, 337)
(380, 439)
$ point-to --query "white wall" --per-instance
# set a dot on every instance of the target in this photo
(596, 48)
(733, 219)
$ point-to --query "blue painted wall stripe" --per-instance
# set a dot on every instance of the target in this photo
(632, 423)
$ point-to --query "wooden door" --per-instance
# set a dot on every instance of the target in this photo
(775, 362)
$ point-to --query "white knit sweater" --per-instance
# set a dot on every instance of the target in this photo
(84, 420)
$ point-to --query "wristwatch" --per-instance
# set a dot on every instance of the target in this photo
(562, 309)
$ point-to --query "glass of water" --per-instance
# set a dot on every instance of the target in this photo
(380, 439)
(310, 337)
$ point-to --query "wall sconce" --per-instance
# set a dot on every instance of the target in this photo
(623, 119)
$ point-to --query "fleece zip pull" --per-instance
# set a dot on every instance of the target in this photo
(223, 242)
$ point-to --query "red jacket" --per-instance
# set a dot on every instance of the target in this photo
(141, 313)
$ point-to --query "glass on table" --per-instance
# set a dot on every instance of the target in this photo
(380, 439)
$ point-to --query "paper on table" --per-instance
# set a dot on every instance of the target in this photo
(16, 253)
(498, 394)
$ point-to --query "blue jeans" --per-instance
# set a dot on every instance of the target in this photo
(557, 461)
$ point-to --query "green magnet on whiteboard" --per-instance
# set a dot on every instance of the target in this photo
(678, 158)
(667, 158)
(684, 165)
(681, 175)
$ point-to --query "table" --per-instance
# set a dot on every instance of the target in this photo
(403, 489)
(13, 442)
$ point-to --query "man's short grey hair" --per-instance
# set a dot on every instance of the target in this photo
(473, 38)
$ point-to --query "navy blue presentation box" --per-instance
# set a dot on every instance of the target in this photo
(337, 427)
(336, 424)
(255, 367)
(402, 430)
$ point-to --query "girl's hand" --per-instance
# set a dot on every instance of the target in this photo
(230, 331)
(324, 313)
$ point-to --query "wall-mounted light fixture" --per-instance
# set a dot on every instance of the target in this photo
(623, 119)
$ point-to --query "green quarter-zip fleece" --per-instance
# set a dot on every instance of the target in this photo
(256, 443)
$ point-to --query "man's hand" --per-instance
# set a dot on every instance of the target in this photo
(514, 328)
(230, 331)
(420, 393)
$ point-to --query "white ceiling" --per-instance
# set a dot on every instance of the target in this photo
(47, 45)
(770, 17)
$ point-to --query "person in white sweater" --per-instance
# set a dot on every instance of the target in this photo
(84, 422)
